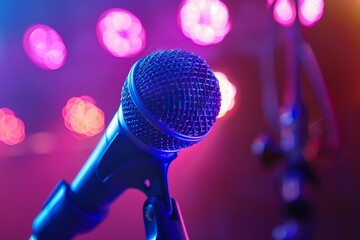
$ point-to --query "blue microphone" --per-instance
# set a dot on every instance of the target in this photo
(169, 101)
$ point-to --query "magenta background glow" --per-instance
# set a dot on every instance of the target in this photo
(44, 47)
(270, 2)
(205, 22)
(310, 11)
(221, 188)
(120, 32)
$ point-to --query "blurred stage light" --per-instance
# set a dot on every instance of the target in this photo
(12, 129)
(310, 11)
(120, 32)
(205, 22)
(83, 117)
(44, 47)
(284, 12)
(228, 92)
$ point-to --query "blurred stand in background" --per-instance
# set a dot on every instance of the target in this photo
(299, 143)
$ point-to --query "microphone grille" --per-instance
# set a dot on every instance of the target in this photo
(180, 97)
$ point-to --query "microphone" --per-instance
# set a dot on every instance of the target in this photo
(169, 101)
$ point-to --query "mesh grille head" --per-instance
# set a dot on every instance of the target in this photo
(178, 92)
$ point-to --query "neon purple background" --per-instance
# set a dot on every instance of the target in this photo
(222, 190)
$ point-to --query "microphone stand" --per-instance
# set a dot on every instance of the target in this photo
(294, 139)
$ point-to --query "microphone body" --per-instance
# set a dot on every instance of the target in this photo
(169, 101)
(115, 165)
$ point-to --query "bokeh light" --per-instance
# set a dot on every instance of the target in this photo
(310, 11)
(83, 117)
(284, 12)
(120, 32)
(228, 92)
(44, 47)
(205, 22)
(12, 129)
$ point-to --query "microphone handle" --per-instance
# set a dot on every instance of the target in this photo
(115, 165)
(60, 219)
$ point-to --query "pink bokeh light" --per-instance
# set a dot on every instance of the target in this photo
(83, 117)
(120, 33)
(310, 11)
(44, 47)
(228, 91)
(205, 22)
(12, 129)
(284, 12)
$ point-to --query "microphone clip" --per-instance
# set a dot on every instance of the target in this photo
(159, 224)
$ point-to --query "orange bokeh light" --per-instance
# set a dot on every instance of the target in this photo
(83, 117)
(12, 129)
(228, 92)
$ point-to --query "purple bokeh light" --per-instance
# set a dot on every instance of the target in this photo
(310, 11)
(44, 47)
(205, 22)
(284, 12)
(120, 33)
